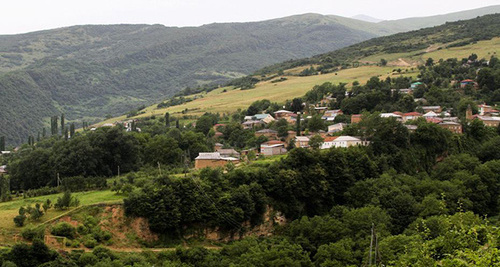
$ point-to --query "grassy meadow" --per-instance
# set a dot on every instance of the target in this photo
(228, 99)
(10, 209)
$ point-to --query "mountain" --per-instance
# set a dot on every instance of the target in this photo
(92, 71)
(367, 18)
(451, 34)
(416, 23)
(88, 72)
(403, 53)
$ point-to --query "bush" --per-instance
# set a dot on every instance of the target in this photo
(66, 201)
(82, 230)
(19, 220)
(31, 232)
(89, 242)
(87, 259)
(64, 229)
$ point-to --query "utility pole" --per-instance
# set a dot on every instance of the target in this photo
(59, 181)
(371, 247)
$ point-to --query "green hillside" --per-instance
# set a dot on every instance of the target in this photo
(89, 72)
(369, 54)
(451, 34)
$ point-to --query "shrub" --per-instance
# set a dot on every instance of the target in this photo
(82, 230)
(89, 242)
(66, 201)
(64, 229)
(87, 259)
(31, 232)
(19, 220)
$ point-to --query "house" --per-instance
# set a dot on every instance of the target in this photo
(430, 114)
(408, 91)
(411, 128)
(391, 115)
(434, 120)
(273, 148)
(266, 118)
(484, 109)
(218, 125)
(338, 127)
(416, 84)
(436, 109)
(252, 124)
(347, 141)
(218, 134)
(302, 141)
(282, 114)
(328, 142)
(331, 114)
(212, 160)
(453, 127)
(4, 152)
(327, 100)
(229, 152)
(270, 134)
(453, 119)
(320, 110)
(3, 169)
(490, 121)
(466, 82)
(291, 135)
(356, 118)
(411, 116)
(218, 146)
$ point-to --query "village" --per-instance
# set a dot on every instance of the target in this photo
(277, 145)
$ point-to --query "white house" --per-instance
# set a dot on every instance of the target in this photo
(338, 127)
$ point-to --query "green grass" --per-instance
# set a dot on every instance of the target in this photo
(484, 49)
(234, 99)
(8, 210)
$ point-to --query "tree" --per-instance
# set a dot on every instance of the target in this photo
(2, 143)
(316, 123)
(383, 62)
(297, 125)
(316, 141)
(429, 62)
(72, 130)
(167, 119)
(63, 126)
(296, 105)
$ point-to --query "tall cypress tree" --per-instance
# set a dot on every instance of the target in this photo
(72, 130)
(44, 133)
(66, 134)
(298, 125)
(167, 119)
(177, 124)
(38, 137)
(2, 143)
(62, 124)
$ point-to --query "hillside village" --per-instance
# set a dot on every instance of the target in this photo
(400, 169)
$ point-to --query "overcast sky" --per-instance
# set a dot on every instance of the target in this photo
(18, 16)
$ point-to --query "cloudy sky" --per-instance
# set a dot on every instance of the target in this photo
(18, 16)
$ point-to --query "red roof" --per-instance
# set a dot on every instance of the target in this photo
(467, 81)
(415, 114)
(356, 115)
(434, 120)
(330, 138)
(398, 113)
